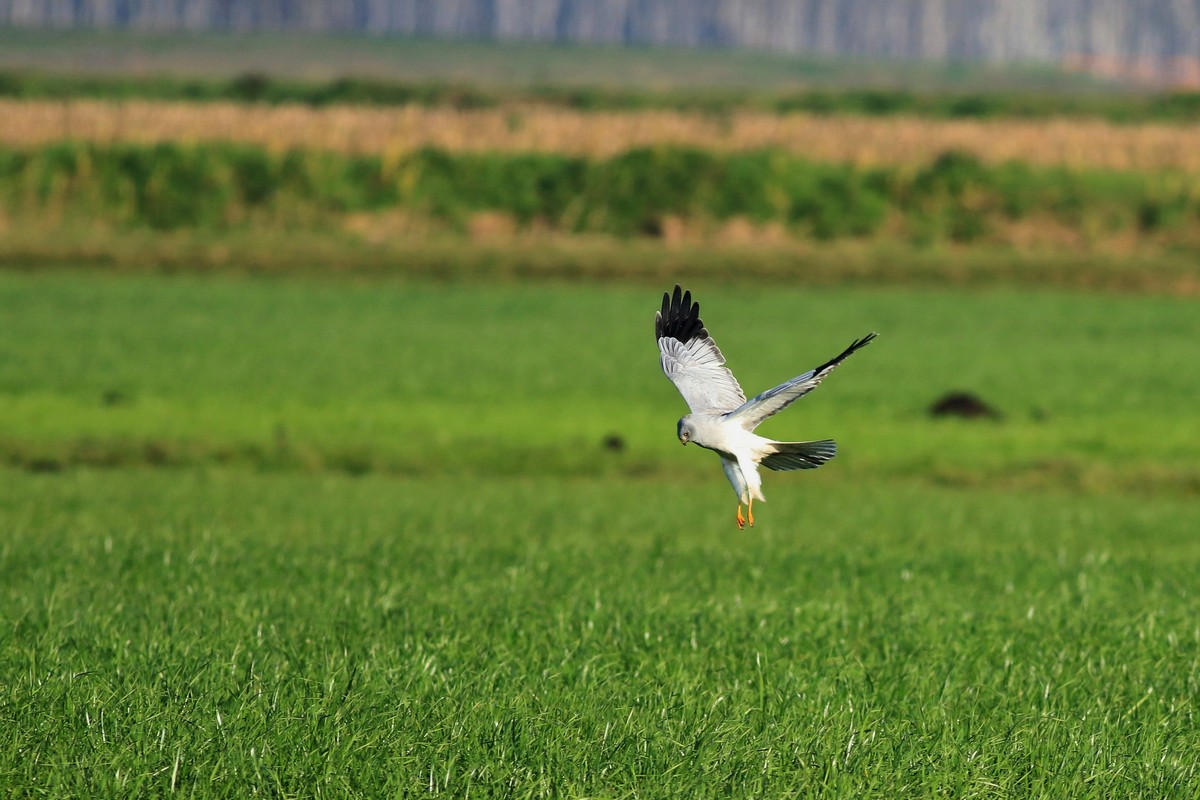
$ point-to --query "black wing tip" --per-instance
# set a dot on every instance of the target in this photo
(857, 344)
(863, 342)
(679, 318)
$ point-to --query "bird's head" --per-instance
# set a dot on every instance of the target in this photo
(685, 430)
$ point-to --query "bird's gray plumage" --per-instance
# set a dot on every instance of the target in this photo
(753, 412)
(722, 419)
(692, 359)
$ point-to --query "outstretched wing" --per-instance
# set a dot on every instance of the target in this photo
(691, 359)
(752, 413)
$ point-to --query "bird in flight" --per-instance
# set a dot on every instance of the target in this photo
(722, 419)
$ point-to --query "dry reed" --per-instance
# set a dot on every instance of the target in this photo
(1071, 142)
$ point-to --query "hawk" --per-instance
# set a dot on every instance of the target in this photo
(721, 418)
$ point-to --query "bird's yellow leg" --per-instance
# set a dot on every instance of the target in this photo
(750, 511)
(741, 521)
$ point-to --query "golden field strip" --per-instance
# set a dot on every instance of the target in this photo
(1070, 142)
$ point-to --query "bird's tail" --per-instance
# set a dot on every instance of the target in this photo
(799, 455)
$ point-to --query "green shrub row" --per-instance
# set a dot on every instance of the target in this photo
(957, 198)
(245, 88)
(261, 88)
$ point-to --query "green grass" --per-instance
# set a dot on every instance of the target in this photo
(217, 633)
(382, 251)
(416, 376)
(313, 537)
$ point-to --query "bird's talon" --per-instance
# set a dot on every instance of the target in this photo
(741, 521)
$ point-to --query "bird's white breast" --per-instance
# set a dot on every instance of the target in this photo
(726, 436)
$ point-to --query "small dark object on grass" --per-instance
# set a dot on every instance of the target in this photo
(157, 454)
(614, 443)
(962, 404)
(114, 397)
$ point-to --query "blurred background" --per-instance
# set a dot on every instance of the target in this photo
(562, 137)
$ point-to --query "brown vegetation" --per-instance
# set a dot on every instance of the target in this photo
(391, 131)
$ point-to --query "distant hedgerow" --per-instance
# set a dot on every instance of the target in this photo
(254, 87)
(210, 186)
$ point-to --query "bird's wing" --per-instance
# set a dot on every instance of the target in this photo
(752, 413)
(691, 359)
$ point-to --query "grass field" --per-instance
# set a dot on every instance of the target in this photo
(293, 536)
(411, 377)
(215, 633)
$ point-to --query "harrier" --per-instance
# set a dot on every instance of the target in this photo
(722, 419)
